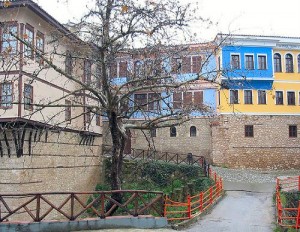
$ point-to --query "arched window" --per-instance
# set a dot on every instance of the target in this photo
(298, 59)
(173, 131)
(193, 131)
(153, 132)
(289, 63)
(277, 62)
(139, 69)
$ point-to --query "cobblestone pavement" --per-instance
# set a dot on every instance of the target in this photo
(252, 176)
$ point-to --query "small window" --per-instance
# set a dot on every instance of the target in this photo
(298, 59)
(193, 131)
(140, 101)
(98, 120)
(28, 37)
(177, 100)
(139, 69)
(235, 61)
(6, 95)
(196, 64)
(87, 116)
(234, 96)
(9, 44)
(123, 72)
(173, 132)
(262, 97)
(153, 132)
(277, 62)
(153, 101)
(262, 62)
(279, 97)
(177, 65)
(28, 97)
(87, 72)
(291, 98)
(40, 46)
(69, 63)
(289, 63)
(249, 62)
(248, 97)
(292, 131)
(68, 113)
(249, 131)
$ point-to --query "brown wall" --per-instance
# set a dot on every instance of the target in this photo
(182, 143)
(270, 148)
(60, 164)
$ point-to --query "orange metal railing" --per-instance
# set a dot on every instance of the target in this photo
(198, 203)
(287, 217)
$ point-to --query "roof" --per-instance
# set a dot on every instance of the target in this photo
(34, 7)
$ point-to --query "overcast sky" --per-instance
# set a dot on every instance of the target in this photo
(259, 17)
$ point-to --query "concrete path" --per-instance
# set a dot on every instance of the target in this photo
(239, 211)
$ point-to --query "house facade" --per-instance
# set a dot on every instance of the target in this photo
(49, 140)
(258, 102)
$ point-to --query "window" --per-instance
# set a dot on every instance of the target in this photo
(9, 43)
(6, 95)
(291, 98)
(249, 62)
(277, 62)
(68, 113)
(40, 43)
(173, 132)
(123, 69)
(28, 97)
(262, 97)
(87, 72)
(140, 101)
(193, 131)
(153, 101)
(87, 115)
(138, 69)
(28, 37)
(177, 65)
(289, 63)
(262, 62)
(69, 63)
(248, 96)
(235, 61)
(234, 96)
(153, 132)
(298, 59)
(292, 131)
(196, 64)
(279, 97)
(188, 99)
(249, 131)
(98, 120)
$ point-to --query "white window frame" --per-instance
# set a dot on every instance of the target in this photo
(266, 96)
(251, 97)
(265, 55)
(240, 61)
(245, 62)
(238, 100)
(283, 96)
(291, 91)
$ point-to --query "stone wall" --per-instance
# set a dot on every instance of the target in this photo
(182, 143)
(56, 163)
(270, 148)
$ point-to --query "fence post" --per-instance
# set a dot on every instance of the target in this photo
(298, 183)
(189, 207)
(210, 195)
(72, 206)
(165, 206)
(38, 207)
(215, 177)
(201, 201)
(102, 214)
(298, 217)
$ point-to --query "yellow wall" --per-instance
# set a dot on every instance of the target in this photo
(282, 81)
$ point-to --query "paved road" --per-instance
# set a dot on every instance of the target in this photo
(239, 211)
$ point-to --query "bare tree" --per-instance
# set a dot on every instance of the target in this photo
(126, 49)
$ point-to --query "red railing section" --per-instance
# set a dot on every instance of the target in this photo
(287, 217)
(72, 206)
(178, 211)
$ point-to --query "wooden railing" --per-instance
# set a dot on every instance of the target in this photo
(72, 206)
(287, 217)
(169, 157)
(178, 211)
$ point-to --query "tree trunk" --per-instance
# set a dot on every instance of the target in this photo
(118, 144)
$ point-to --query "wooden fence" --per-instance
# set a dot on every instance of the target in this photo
(169, 157)
(287, 217)
(74, 205)
(178, 211)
